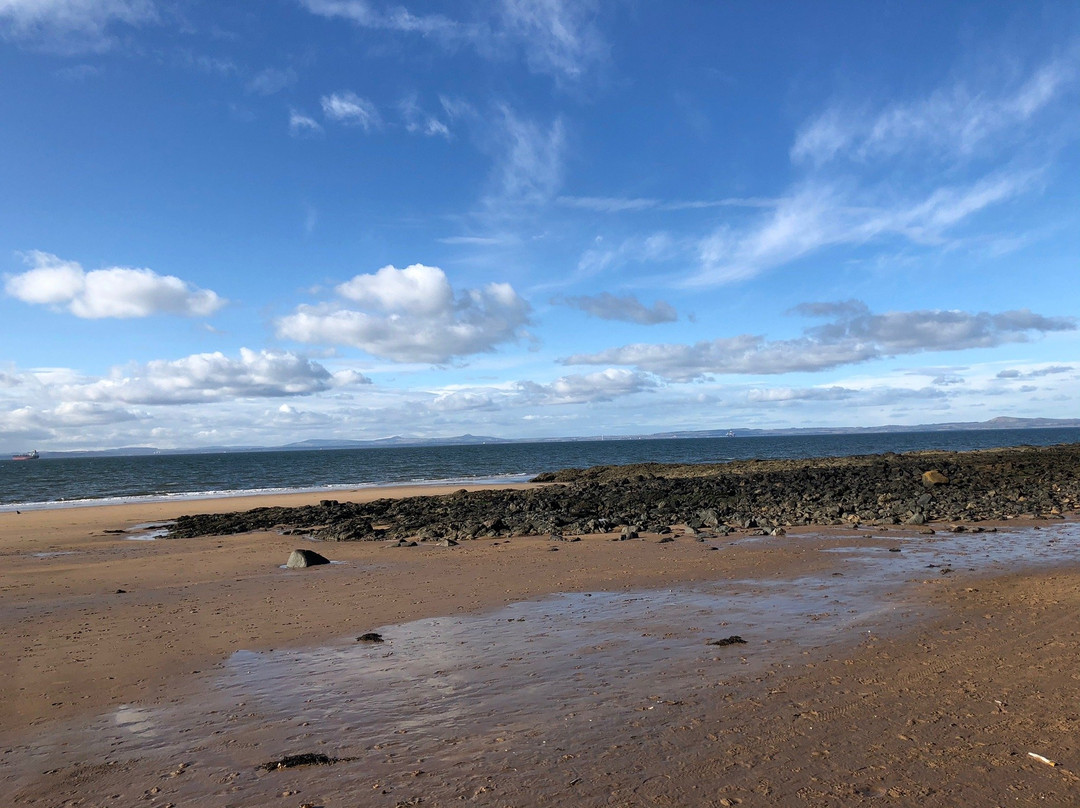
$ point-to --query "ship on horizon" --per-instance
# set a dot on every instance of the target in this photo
(31, 455)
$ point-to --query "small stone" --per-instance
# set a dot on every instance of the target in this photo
(371, 636)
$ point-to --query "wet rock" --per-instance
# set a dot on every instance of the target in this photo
(306, 759)
(299, 559)
(872, 489)
(371, 636)
(665, 540)
(734, 639)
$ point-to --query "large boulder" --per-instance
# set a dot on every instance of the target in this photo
(305, 558)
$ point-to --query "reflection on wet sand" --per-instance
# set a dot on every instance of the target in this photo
(543, 699)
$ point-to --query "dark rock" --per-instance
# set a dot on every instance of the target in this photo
(305, 558)
(371, 636)
(873, 489)
(307, 759)
(665, 540)
(734, 639)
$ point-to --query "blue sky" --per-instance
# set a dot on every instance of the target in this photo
(254, 223)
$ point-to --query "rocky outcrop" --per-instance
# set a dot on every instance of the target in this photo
(762, 495)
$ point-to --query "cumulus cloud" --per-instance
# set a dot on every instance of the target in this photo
(411, 315)
(626, 308)
(854, 335)
(70, 26)
(605, 385)
(119, 292)
(588, 388)
(349, 108)
(209, 377)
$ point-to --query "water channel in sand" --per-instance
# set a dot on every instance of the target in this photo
(516, 690)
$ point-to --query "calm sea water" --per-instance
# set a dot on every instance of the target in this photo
(59, 482)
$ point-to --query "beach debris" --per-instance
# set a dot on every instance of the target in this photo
(665, 540)
(1041, 759)
(305, 558)
(371, 636)
(306, 759)
(734, 639)
(404, 543)
(121, 591)
(894, 549)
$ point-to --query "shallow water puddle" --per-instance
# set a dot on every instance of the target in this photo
(534, 682)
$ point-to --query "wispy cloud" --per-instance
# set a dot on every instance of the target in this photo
(907, 171)
(420, 122)
(956, 121)
(554, 37)
(119, 292)
(71, 26)
(529, 161)
(818, 215)
(349, 108)
(853, 335)
(301, 124)
(271, 81)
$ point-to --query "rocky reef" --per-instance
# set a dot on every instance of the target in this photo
(913, 488)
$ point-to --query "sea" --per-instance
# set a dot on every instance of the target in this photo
(58, 482)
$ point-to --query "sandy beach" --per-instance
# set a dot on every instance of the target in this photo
(880, 666)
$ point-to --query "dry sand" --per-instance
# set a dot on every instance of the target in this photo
(152, 695)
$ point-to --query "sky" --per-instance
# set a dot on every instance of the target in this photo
(255, 223)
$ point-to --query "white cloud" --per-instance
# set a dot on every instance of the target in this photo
(420, 122)
(627, 308)
(119, 292)
(70, 26)
(606, 385)
(554, 37)
(412, 315)
(854, 335)
(819, 215)
(558, 35)
(957, 121)
(208, 377)
(529, 166)
(271, 81)
(349, 108)
(301, 124)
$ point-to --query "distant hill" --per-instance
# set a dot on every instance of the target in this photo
(1001, 422)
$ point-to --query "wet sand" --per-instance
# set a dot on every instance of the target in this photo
(515, 674)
